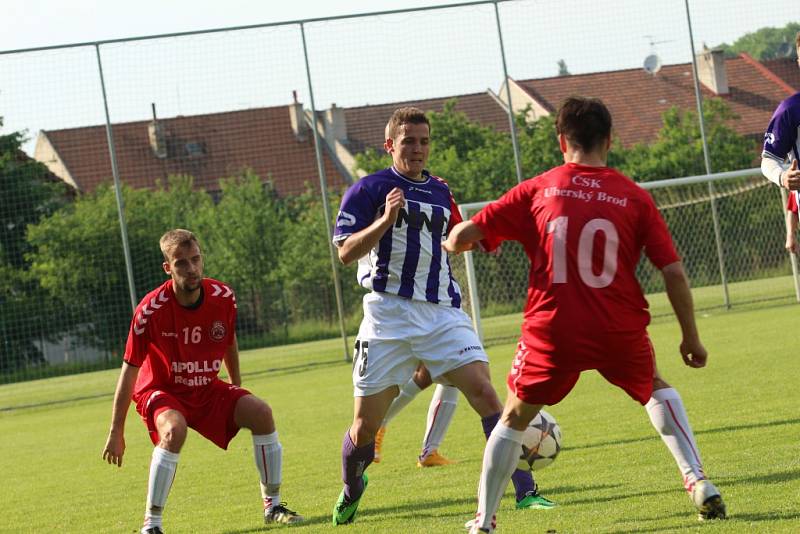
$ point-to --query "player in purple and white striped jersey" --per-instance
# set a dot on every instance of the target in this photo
(782, 141)
(394, 222)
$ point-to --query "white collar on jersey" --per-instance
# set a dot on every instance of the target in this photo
(425, 173)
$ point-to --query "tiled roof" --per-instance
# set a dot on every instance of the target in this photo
(261, 139)
(637, 99)
(366, 124)
(786, 69)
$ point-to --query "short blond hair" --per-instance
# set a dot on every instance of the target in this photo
(407, 115)
(175, 238)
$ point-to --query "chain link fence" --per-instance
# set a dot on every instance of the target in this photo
(245, 134)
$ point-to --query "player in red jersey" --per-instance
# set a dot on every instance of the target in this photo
(180, 335)
(583, 227)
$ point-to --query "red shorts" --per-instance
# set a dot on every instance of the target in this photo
(209, 410)
(542, 374)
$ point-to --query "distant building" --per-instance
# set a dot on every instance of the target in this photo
(278, 145)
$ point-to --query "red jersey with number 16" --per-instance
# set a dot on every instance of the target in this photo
(583, 229)
(180, 350)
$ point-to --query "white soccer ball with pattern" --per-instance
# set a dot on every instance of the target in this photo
(541, 442)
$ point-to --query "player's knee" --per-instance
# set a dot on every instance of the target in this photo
(173, 435)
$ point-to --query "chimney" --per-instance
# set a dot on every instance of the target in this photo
(335, 124)
(157, 136)
(711, 70)
(297, 117)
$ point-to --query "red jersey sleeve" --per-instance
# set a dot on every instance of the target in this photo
(507, 218)
(658, 245)
(138, 340)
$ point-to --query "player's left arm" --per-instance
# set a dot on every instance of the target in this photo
(231, 359)
(680, 297)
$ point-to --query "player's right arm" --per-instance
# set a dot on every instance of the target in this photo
(115, 444)
(360, 243)
(680, 297)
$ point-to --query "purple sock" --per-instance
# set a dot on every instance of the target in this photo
(354, 461)
(522, 479)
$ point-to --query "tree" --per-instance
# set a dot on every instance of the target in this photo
(766, 43)
(243, 237)
(77, 256)
(28, 196)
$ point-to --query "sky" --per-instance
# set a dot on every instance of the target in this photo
(357, 61)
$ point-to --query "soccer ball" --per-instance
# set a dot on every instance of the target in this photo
(541, 442)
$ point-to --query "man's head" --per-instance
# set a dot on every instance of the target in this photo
(183, 261)
(408, 140)
(584, 124)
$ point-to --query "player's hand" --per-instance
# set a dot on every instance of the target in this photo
(790, 178)
(791, 245)
(394, 201)
(694, 353)
(114, 449)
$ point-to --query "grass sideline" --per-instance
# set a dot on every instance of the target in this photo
(614, 475)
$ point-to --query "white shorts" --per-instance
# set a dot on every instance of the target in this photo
(398, 333)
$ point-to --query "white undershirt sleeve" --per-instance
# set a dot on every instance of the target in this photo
(772, 169)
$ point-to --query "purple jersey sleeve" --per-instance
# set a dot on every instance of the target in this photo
(358, 210)
(780, 138)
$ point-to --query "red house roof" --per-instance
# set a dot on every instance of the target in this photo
(208, 147)
(637, 99)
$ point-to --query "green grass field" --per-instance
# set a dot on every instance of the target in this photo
(613, 475)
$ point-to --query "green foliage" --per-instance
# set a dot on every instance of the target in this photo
(766, 43)
(94, 294)
(27, 196)
(678, 149)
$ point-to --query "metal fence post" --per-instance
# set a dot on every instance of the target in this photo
(472, 286)
(123, 228)
(511, 122)
(325, 207)
(714, 215)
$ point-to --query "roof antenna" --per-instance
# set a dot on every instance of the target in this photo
(652, 63)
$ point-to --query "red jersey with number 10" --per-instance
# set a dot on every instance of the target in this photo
(180, 350)
(583, 229)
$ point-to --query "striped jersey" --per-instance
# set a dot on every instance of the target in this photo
(408, 260)
(782, 138)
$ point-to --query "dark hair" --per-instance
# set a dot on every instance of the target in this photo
(584, 121)
(408, 115)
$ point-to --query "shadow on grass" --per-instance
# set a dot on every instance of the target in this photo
(272, 371)
(654, 436)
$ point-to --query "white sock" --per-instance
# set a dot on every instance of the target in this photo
(268, 453)
(440, 413)
(499, 460)
(668, 416)
(163, 465)
(407, 394)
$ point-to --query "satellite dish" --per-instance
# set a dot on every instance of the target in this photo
(652, 64)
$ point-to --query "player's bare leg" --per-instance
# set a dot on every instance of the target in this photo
(668, 416)
(420, 380)
(474, 381)
(172, 429)
(358, 450)
(256, 415)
